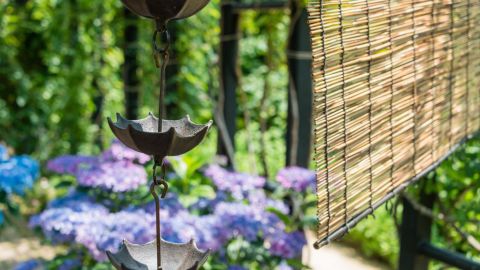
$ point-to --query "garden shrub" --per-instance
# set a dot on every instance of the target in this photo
(244, 223)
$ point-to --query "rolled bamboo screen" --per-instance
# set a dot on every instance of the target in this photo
(396, 89)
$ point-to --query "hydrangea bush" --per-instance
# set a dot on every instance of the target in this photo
(17, 174)
(245, 224)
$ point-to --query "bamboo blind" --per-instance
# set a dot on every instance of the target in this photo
(396, 89)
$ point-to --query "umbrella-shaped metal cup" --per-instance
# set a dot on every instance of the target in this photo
(143, 257)
(175, 138)
(165, 10)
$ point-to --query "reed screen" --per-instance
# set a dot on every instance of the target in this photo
(396, 89)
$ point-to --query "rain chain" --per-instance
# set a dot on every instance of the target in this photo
(160, 138)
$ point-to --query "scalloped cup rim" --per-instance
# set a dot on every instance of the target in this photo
(203, 254)
(129, 126)
(189, 243)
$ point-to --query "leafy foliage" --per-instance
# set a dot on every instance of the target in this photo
(57, 56)
(458, 187)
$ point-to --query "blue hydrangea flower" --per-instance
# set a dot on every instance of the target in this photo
(70, 264)
(296, 178)
(29, 265)
(17, 173)
(4, 153)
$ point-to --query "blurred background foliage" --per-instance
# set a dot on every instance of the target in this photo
(61, 76)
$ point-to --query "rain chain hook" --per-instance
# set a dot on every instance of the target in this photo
(158, 182)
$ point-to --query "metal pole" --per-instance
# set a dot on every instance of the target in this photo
(130, 66)
(415, 228)
(299, 126)
(229, 78)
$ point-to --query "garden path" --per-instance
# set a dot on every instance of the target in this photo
(338, 257)
(15, 248)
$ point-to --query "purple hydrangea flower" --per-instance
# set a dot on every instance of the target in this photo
(238, 184)
(118, 151)
(69, 164)
(118, 176)
(296, 178)
(114, 170)
(286, 245)
(236, 267)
